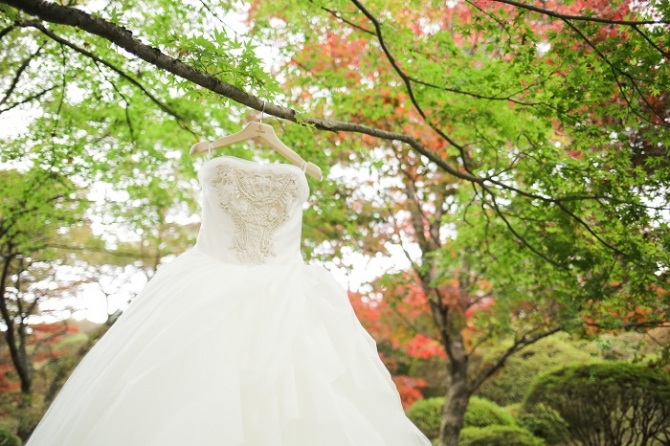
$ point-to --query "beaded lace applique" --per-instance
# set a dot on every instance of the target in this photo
(258, 203)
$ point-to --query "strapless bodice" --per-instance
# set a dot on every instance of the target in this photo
(251, 212)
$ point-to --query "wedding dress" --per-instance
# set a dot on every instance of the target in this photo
(237, 342)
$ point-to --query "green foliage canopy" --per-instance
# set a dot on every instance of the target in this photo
(607, 403)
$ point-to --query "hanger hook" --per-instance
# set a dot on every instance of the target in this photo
(263, 111)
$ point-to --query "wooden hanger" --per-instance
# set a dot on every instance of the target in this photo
(267, 133)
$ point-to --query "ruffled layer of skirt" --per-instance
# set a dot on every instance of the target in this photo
(231, 355)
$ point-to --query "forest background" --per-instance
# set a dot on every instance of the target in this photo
(514, 152)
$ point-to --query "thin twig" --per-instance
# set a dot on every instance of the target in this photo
(121, 73)
(519, 344)
(19, 72)
(581, 18)
(339, 16)
(27, 99)
(616, 70)
(408, 84)
(651, 42)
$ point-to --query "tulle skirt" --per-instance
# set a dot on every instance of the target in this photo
(230, 355)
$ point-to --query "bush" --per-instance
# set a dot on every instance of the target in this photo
(544, 422)
(512, 382)
(9, 439)
(498, 436)
(513, 409)
(592, 398)
(482, 413)
(427, 414)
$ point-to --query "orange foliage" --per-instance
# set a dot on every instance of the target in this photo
(6, 370)
(409, 389)
(424, 347)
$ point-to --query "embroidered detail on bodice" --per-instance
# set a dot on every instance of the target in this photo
(258, 203)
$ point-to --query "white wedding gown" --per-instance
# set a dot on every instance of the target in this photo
(237, 342)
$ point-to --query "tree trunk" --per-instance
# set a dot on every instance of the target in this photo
(27, 420)
(16, 343)
(458, 392)
(15, 336)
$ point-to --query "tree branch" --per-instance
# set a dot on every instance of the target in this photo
(19, 72)
(492, 17)
(339, 16)
(122, 37)
(621, 87)
(581, 18)
(518, 236)
(27, 99)
(519, 344)
(633, 325)
(37, 25)
(6, 31)
(55, 13)
(651, 42)
(408, 84)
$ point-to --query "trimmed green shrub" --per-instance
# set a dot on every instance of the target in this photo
(512, 382)
(513, 409)
(544, 422)
(426, 414)
(9, 439)
(498, 436)
(482, 413)
(606, 404)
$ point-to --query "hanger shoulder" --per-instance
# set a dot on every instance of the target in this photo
(246, 133)
(271, 138)
(314, 171)
(267, 133)
(199, 147)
